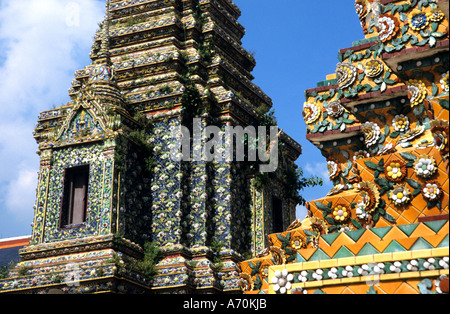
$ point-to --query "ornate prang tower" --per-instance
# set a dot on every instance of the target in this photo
(107, 185)
(381, 122)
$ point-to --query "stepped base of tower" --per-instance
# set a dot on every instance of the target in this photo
(405, 259)
(102, 265)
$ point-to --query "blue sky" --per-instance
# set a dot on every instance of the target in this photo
(42, 43)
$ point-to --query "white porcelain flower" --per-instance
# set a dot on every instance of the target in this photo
(310, 112)
(333, 273)
(425, 166)
(303, 277)
(401, 123)
(371, 132)
(431, 191)
(360, 211)
(413, 265)
(346, 74)
(400, 195)
(429, 264)
(282, 281)
(348, 272)
(396, 267)
(333, 169)
(444, 262)
(335, 109)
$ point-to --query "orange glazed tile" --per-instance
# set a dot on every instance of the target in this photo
(411, 214)
(435, 240)
(366, 175)
(443, 115)
(406, 289)
(307, 253)
(329, 250)
(382, 223)
(360, 288)
(413, 283)
(422, 230)
(333, 290)
(445, 229)
(381, 245)
(433, 211)
(407, 242)
(389, 287)
(394, 234)
(347, 290)
(355, 248)
(368, 236)
(402, 221)
(343, 239)
(420, 202)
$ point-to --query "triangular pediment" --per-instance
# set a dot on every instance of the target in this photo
(82, 124)
(83, 121)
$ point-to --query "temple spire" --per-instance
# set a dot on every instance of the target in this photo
(104, 49)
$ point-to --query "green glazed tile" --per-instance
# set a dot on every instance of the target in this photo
(355, 234)
(368, 249)
(299, 258)
(444, 243)
(330, 237)
(421, 244)
(319, 255)
(394, 246)
(343, 252)
(381, 232)
(435, 225)
(408, 229)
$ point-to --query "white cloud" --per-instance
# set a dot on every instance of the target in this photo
(42, 43)
(301, 212)
(21, 193)
(318, 169)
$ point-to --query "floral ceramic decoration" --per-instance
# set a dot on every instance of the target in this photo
(310, 113)
(387, 26)
(361, 154)
(401, 123)
(373, 68)
(297, 242)
(335, 109)
(412, 134)
(346, 74)
(432, 191)
(400, 195)
(341, 213)
(370, 195)
(435, 15)
(444, 82)
(425, 167)
(395, 170)
(371, 132)
(440, 131)
(334, 169)
(417, 92)
(361, 9)
(418, 20)
(282, 281)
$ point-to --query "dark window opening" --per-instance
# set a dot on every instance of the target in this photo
(277, 215)
(74, 202)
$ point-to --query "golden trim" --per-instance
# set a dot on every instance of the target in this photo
(118, 203)
(45, 205)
